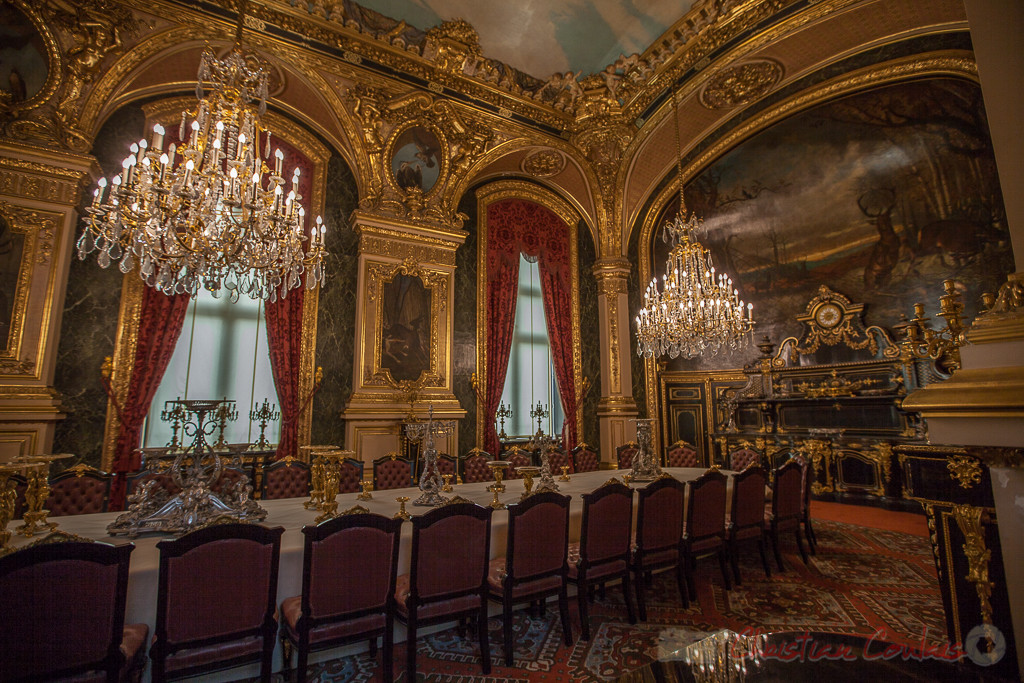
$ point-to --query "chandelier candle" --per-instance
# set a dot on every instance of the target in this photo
(207, 213)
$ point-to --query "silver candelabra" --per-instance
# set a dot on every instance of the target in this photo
(430, 479)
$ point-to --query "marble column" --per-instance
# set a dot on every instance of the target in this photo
(39, 192)
(616, 410)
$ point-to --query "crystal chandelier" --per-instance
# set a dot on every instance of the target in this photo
(697, 311)
(208, 212)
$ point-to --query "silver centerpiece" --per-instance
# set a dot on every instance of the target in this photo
(431, 482)
(546, 481)
(646, 465)
(194, 470)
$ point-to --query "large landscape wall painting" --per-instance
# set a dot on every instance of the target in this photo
(881, 195)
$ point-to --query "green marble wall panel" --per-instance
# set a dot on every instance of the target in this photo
(336, 316)
(464, 346)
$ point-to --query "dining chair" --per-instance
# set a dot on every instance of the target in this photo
(806, 484)
(585, 459)
(228, 479)
(625, 453)
(78, 490)
(516, 457)
(681, 454)
(602, 555)
(704, 525)
(64, 607)
(285, 478)
(785, 513)
(446, 464)
(743, 458)
(557, 459)
(447, 578)
(392, 472)
(216, 600)
(474, 466)
(534, 566)
(350, 475)
(746, 521)
(348, 589)
(659, 531)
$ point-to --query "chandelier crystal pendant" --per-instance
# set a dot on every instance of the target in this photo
(209, 212)
(697, 310)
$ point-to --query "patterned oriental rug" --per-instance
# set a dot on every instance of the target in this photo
(863, 581)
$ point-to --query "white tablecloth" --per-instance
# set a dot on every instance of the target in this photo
(290, 514)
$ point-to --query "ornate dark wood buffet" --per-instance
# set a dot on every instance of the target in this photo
(834, 396)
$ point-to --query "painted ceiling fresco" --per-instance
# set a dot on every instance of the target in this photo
(543, 37)
(881, 195)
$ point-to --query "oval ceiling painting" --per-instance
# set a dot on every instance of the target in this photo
(23, 63)
(416, 159)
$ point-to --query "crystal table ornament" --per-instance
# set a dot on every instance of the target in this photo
(431, 483)
(194, 470)
(547, 481)
(645, 464)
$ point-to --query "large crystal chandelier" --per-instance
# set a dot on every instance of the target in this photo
(697, 311)
(208, 212)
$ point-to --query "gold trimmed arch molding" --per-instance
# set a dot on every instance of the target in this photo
(169, 112)
(947, 63)
(517, 189)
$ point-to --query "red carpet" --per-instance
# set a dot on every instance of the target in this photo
(863, 581)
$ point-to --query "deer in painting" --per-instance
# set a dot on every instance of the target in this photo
(958, 239)
(877, 205)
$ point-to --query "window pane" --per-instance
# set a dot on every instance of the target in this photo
(222, 353)
(530, 376)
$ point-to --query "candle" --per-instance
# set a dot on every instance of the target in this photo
(280, 160)
(158, 136)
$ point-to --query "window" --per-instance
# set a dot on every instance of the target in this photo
(221, 353)
(530, 377)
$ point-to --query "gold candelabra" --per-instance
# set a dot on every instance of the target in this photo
(36, 492)
(498, 467)
(528, 472)
(263, 414)
(402, 512)
(173, 412)
(538, 413)
(365, 494)
(224, 412)
(8, 500)
(921, 342)
(565, 473)
(503, 413)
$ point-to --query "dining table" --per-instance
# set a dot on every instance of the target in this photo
(293, 515)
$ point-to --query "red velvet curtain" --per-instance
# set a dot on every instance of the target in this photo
(160, 324)
(519, 226)
(284, 325)
(284, 337)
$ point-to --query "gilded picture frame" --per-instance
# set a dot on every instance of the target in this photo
(411, 301)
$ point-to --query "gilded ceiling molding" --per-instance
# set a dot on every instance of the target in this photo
(518, 189)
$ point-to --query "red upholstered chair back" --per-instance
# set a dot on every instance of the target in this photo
(350, 473)
(538, 539)
(748, 497)
(786, 494)
(218, 583)
(81, 490)
(446, 464)
(64, 607)
(349, 566)
(705, 508)
(516, 458)
(659, 521)
(607, 526)
(557, 459)
(392, 472)
(584, 459)
(681, 454)
(474, 468)
(625, 453)
(450, 550)
(743, 458)
(228, 478)
(285, 478)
